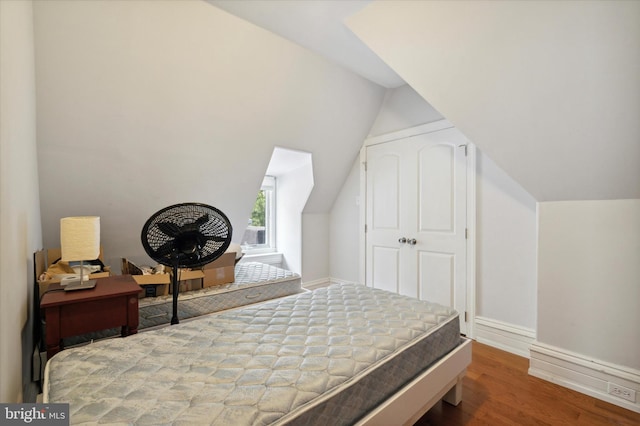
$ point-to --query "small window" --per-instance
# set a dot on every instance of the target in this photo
(260, 233)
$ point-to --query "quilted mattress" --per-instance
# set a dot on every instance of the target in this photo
(322, 357)
(254, 282)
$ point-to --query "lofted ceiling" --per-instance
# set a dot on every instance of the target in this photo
(549, 90)
(318, 26)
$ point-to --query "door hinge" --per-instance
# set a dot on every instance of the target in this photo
(365, 228)
(466, 233)
(364, 163)
(466, 316)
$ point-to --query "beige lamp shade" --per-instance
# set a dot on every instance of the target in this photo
(80, 238)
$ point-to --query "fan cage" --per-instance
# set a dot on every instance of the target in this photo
(216, 230)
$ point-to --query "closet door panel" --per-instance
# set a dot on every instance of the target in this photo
(436, 188)
(385, 192)
(436, 276)
(386, 269)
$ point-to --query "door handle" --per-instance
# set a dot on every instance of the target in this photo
(412, 242)
(402, 240)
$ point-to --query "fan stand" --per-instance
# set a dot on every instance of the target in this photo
(175, 289)
(187, 235)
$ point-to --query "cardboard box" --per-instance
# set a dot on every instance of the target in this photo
(220, 271)
(155, 279)
(153, 284)
(43, 259)
(189, 279)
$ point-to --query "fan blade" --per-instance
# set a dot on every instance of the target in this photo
(168, 228)
(202, 220)
(164, 251)
(215, 238)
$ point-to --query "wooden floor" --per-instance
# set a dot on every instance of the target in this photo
(498, 391)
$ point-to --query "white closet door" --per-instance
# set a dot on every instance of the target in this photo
(416, 192)
(440, 225)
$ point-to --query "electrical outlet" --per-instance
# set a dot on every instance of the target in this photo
(622, 392)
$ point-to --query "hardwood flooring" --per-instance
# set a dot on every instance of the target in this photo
(497, 390)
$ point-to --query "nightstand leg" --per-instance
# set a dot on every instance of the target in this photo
(132, 315)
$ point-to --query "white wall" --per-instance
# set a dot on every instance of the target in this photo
(506, 241)
(588, 279)
(344, 229)
(292, 193)
(142, 104)
(315, 250)
(19, 205)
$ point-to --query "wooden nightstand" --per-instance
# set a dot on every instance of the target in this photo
(112, 303)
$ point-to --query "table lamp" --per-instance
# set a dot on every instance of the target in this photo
(80, 240)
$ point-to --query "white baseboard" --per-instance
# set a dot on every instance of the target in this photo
(508, 337)
(323, 282)
(589, 376)
(334, 280)
(312, 285)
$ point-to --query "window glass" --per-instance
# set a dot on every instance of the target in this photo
(260, 232)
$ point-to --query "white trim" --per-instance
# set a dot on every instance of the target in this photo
(407, 133)
(508, 337)
(272, 258)
(312, 285)
(443, 379)
(323, 282)
(362, 199)
(471, 240)
(334, 280)
(582, 374)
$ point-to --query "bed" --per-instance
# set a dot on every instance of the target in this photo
(254, 282)
(345, 354)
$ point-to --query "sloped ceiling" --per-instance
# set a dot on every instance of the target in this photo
(317, 25)
(549, 90)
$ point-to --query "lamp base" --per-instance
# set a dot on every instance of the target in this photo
(71, 278)
(80, 285)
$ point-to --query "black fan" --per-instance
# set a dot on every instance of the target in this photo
(187, 235)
